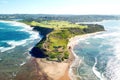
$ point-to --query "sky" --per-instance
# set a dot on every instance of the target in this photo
(84, 7)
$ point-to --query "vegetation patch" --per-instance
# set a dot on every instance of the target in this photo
(55, 43)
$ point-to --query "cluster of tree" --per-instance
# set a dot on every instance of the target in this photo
(70, 18)
(90, 29)
(93, 28)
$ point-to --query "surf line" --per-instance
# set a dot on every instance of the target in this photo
(96, 72)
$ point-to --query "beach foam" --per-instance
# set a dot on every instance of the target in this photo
(76, 63)
(12, 44)
(107, 62)
(113, 69)
(113, 65)
(25, 28)
(96, 72)
(22, 63)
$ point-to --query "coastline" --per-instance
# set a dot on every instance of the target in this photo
(59, 70)
(65, 70)
(22, 65)
(25, 28)
(75, 59)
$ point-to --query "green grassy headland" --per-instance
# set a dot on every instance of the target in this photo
(55, 43)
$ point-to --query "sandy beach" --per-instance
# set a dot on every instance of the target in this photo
(55, 70)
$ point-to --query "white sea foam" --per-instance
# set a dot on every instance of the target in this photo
(26, 28)
(16, 43)
(113, 65)
(2, 49)
(115, 42)
(14, 74)
(22, 63)
(96, 72)
(73, 41)
(86, 42)
(77, 60)
(112, 38)
(12, 44)
(24, 42)
(113, 69)
(106, 35)
(14, 23)
(75, 64)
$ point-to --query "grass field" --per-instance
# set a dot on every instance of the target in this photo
(56, 24)
(55, 44)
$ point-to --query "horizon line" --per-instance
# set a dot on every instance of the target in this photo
(52, 14)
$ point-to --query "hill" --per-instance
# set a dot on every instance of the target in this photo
(56, 36)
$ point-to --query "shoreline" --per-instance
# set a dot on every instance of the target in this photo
(64, 70)
(34, 35)
(76, 60)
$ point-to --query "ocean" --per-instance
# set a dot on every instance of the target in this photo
(16, 40)
(99, 54)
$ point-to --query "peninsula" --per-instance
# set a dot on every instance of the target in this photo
(52, 53)
(52, 57)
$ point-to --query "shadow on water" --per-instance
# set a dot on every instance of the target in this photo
(36, 51)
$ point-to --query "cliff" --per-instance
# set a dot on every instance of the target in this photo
(53, 46)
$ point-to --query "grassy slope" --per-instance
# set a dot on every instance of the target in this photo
(55, 45)
(55, 24)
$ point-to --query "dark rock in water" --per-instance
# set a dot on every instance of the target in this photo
(37, 53)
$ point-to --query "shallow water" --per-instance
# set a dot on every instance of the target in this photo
(100, 53)
(16, 40)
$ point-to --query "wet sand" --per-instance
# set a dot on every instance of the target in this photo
(63, 70)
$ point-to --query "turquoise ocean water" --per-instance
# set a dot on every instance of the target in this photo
(16, 40)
